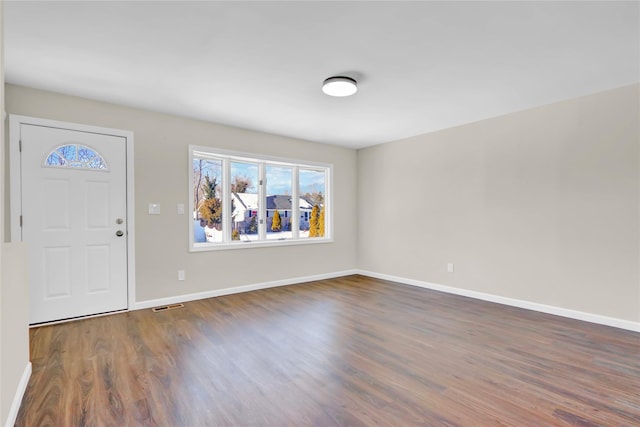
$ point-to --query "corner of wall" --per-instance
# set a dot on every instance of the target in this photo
(15, 367)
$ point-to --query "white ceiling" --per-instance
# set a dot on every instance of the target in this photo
(421, 66)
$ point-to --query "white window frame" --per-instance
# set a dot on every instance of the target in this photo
(227, 156)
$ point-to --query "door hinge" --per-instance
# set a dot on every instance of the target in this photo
(260, 182)
(20, 220)
(20, 145)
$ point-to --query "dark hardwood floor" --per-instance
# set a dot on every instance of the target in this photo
(350, 351)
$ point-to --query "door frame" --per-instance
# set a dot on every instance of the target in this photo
(15, 184)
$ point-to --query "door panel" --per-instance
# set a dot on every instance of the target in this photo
(96, 196)
(56, 204)
(73, 192)
(98, 271)
(56, 264)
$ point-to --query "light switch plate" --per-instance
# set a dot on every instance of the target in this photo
(154, 208)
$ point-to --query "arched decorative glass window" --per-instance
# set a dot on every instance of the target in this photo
(75, 156)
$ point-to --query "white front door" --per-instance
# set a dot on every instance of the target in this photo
(74, 221)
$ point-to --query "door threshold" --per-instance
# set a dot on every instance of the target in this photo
(73, 319)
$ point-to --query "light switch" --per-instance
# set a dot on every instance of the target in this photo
(180, 208)
(154, 208)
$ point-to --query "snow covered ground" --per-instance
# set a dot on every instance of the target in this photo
(205, 234)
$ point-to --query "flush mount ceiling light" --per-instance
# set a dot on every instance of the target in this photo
(340, 86)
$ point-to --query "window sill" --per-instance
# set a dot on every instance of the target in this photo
(204, 247)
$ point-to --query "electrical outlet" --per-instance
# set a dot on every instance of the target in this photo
(450, 267)
(181, 275)
(180, 208)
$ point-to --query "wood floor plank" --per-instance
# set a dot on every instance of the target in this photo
(352, 351)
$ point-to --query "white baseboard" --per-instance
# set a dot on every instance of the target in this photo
(549, 309)
(17, 399)
(139, 305)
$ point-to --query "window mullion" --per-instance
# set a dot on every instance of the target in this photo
(295, 205)
(226, 201)
(328, 204)
(262, 202)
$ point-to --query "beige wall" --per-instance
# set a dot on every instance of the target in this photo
(161, 176)
(14, 303)
(540, 205)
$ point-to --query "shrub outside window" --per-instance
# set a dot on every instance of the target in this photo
(244, 200)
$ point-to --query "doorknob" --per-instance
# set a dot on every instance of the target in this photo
(119, 233)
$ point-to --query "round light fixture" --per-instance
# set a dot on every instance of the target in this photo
(340, 86)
